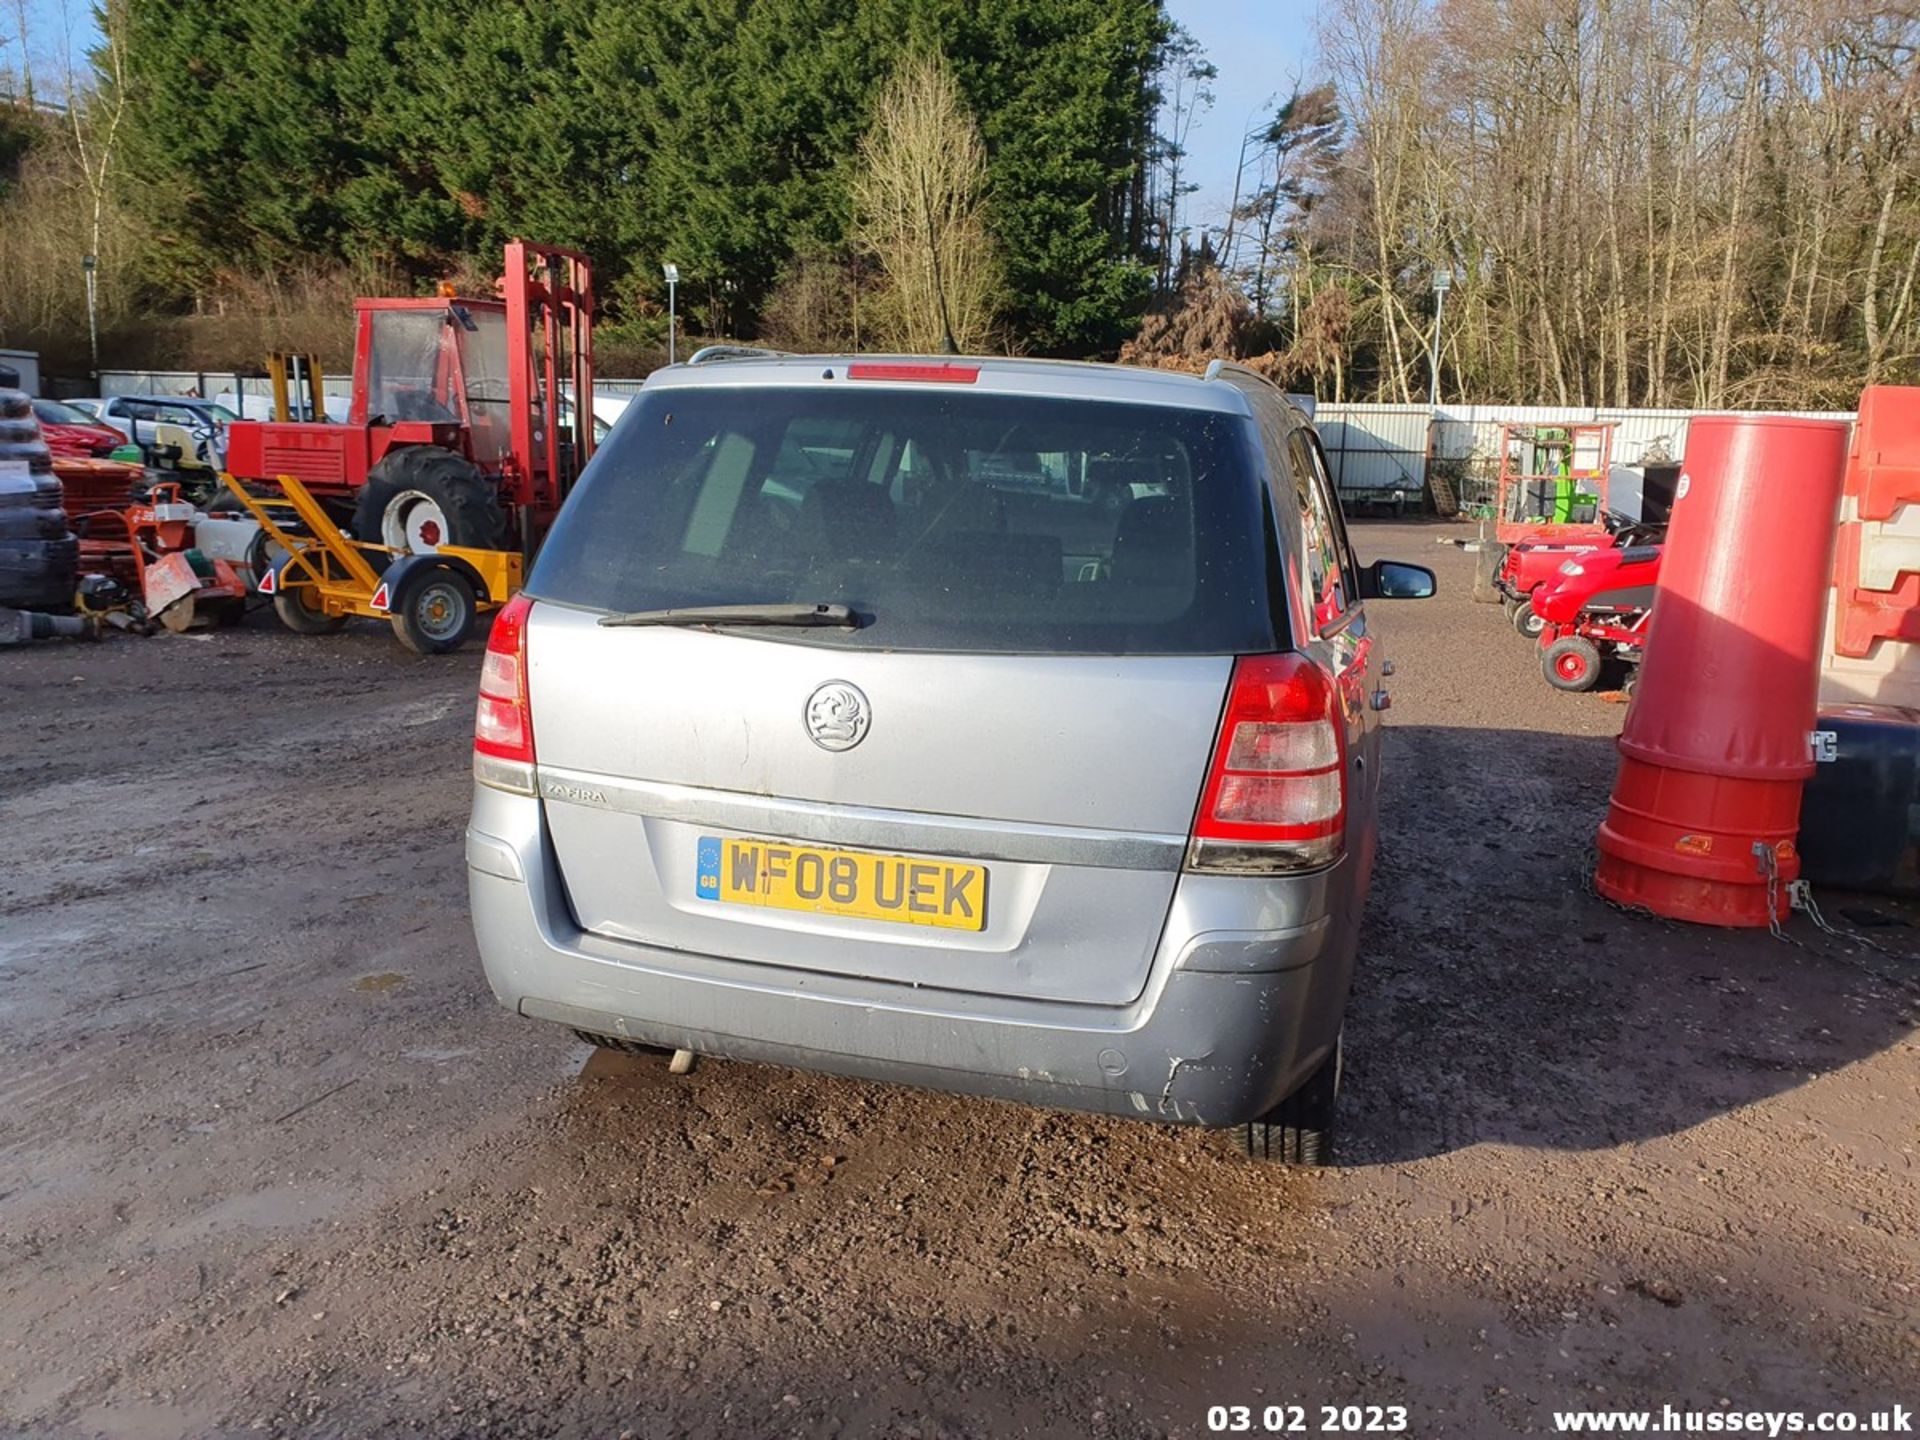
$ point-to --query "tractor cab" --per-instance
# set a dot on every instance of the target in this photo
(448, 441)
(435, 362)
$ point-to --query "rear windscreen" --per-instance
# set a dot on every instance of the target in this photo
(971, 522)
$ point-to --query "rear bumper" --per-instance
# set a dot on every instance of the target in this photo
(1243, 1000)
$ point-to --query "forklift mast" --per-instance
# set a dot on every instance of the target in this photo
(549, 299)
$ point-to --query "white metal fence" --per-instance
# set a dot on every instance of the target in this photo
(1374, 450)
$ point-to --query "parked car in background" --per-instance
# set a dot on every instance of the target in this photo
(71, 431)
(260, 407)
(606, 410)
(1001, 726)
(138, 416)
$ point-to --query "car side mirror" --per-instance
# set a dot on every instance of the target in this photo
(1396, 580)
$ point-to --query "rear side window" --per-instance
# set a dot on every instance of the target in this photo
(1329, 588)
(974, 522)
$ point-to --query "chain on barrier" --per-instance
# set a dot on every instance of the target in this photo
(1799, 897)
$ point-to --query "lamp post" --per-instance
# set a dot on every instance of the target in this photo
(1442, 282)
(89, 264)
(672, 272)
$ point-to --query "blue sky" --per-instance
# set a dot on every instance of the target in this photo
(49, 24)
(1260, 46)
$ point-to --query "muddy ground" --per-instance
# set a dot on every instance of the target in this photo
(273, 1161)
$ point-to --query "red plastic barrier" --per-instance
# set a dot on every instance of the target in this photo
(1714, 752)
(1883, 476)
(1886, 473)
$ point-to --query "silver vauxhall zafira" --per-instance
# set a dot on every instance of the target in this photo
(1001, 726)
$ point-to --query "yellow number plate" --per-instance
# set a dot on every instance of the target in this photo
(899, 888)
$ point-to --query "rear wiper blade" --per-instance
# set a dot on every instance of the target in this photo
(840, 616)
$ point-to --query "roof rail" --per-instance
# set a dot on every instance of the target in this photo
(709, 353)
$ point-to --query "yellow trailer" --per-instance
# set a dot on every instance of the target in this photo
(432, 598)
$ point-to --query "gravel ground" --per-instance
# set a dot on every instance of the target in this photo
(273, 1161)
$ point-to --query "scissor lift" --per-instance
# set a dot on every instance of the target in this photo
(431, 598)
(1552, 484)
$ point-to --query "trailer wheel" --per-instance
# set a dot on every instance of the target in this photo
(295, 606)
(1299, 1130)
(1524, 620)
(1571, 663)
(422, 497)
(434, 611)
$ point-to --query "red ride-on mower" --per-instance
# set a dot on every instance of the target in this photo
(1526, 568)
(1595, 612)
(1531, 566)
(1550, 503)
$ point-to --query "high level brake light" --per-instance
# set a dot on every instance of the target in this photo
(503, 720)
(1276, 795)
(929, 372)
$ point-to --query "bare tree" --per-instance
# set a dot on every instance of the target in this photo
(95, 109)
(920, 210)
(21, 30)
(62, 207)
(1667, 202)
(1187, 91)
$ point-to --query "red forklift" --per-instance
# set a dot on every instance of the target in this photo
(470, 417)
(1550, 505)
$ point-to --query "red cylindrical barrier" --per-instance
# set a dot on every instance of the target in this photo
(1714, 751)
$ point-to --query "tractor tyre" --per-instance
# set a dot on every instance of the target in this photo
(422, 497)
(1299, 1130)
(434, 611)
(303, 618)
(1571, 663)
(1524, 620)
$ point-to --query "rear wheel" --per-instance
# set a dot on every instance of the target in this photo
(434, 611)
(299, 610)
(1299, 1130)
(1524, 620)
(422, 497)
(1571, 663)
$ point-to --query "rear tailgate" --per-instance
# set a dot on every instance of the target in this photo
(1070, 781)
(986, 783)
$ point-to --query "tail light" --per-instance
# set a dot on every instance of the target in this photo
(503, 720)
(1276, 794)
